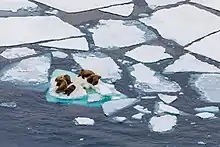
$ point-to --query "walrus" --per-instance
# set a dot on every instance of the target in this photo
(93, 79)
(85, 73)
(64, 84)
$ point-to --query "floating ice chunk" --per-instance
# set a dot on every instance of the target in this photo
(208, 47)
(52, 12)
(111, 33)
(59, 54)
(167, 98)
(14, 5)
(123, 10)
(72, 43)
(155, 3)
(148, 81)
(17, 52)
(28, 31)
(119, 119)
(188, 63)
(84, 121)
(83, 5)
(201, 142)
(94, 97)
(8, 104)
(175, 23)
(160, 107)
(148, 97)
(208, 86)
(205, 115)
(32, 71)
(210, 3)
(111, 107)
(141, 109)
(138, 116)
(162, 123)
(147, 53)
(107, 68)
(208, 109)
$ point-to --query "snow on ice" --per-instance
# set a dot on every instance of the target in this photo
(210, 3)
(123, 10)
(147, 54)
(176, 23)
(155, 3)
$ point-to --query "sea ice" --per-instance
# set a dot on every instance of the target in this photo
(71, 6)
(188, 63)
(138, 116)
(94, 97)
(147, 53)
(116, 33)
(210, 3)
(113, 106)
(103, 66)
(213, 109)
(201, 142)
(27, 30)
(32, 71)
(119, 118)
(8, 104)
(155, 3)
(148, 97)
(123, 10)
(207, 47)
(70, 44)
(17, 52)
(208, 86)
(84, 121)
(162, 123)
(141, 109)
(205, 115)
(59, 54)
(14, 5)
(148, 81)
(176, 23)
(160, 107)
(167, 98)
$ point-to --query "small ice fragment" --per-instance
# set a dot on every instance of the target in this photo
(84, 121)
(148, 97)
(162, 123)
(17, 52)
(208, 109)
(138, 116)
(201, 142)
(59, 54)
(8, 104)
(205, 115)
(141, 109)
(167, 98)
(160, 107)
(119, 119)
(81, 139)
(116, 105)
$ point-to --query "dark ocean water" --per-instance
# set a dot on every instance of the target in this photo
(36, 123)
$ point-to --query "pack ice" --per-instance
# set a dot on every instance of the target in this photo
(83, 5)
(176, 23)
(210, 3)
(14, 5)
(13, 53)
(117, 33)
(28, 31)
(155, 3)
(189, 63)
(28, 72)
(123, 10)
(148, 81)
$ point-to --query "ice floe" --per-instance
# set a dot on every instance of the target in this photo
(119, 119)
(103, 66)
(70, 44)
(142, 109)
(162, 123)
(14, 5)
(167, 98)
(113, 106)
(160, 108)
(176, 23)
(84, 121)
(116, 33)
(148, 97)
(32, 71)
(155, 3)
(8, 104)
(26, 29)
(208, 86)
(205, 115)
(188, 63)
(213, 109)
(147, 53)
(59, 54)
(138, 116)
(123, 10)
(148, 81)
(201, 142)
(210, 3)
(17, 52)
(208, 47)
